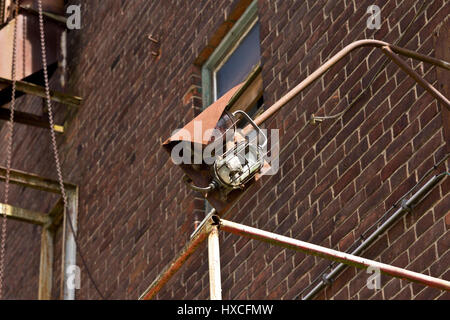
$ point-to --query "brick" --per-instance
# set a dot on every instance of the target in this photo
(398, 246)
(404, 294)
(425, 240)
(326, 167)
(425, 222)
(352, 157)
(392, 288)
(427, 132)
(422, 262)
(439, 267)
(400, 158)
(347, 193)
(346, 178)
(424, 152)
(343, 230)
(376, 148)
(398, 109)
(322, 186)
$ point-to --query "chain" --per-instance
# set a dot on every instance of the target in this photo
(9, 151)
(54, 145)
(2, 11)
(49, 106)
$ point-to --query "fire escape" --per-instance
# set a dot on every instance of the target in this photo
(22, 24)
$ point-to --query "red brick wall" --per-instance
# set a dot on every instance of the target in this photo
(335, 179)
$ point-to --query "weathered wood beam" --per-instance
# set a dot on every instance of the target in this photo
(24, 215)
(56, 215)
(34, 181)
(29, 119)
(31, 88)
(46, 264)
(55, 17)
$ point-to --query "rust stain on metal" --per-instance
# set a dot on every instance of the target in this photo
(28, 31)
(176, 263)
(208, 119)
(327, 253)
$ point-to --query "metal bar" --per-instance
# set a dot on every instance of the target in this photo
(442, 39)
(46, 264)
(331, 254)
(70, 249)
(418, 56)
(55, 17)
(185, 253)
(56, 215)
(415, 199)
(272, 110)
(413, 74)
(215, 287)
(34, 181)
(24, 215)
(29, 119)
(31, 88)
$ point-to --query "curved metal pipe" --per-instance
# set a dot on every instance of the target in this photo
(211, 187)
(335, 59)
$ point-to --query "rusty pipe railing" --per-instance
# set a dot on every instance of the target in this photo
(349, 259)
(388, 49)
(413, 74)
(185, 253)
(272, 110)
(215, 286)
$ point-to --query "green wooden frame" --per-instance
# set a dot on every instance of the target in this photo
(225, 48)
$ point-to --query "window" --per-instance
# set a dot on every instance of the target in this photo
(238, 64)
(235, 60)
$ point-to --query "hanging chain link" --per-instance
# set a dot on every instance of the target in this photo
(9, 150)
(54, 145)
(2, 11)
(49, 105)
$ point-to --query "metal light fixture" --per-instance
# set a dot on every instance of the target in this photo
(240, 162)
(242, 158)
(233, 160)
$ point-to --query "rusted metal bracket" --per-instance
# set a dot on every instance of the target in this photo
(157, 51)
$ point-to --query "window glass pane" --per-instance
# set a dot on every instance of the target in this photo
(239, 63)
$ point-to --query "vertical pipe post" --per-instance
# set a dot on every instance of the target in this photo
(46, 264)
(70, 249)
(215, 287)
